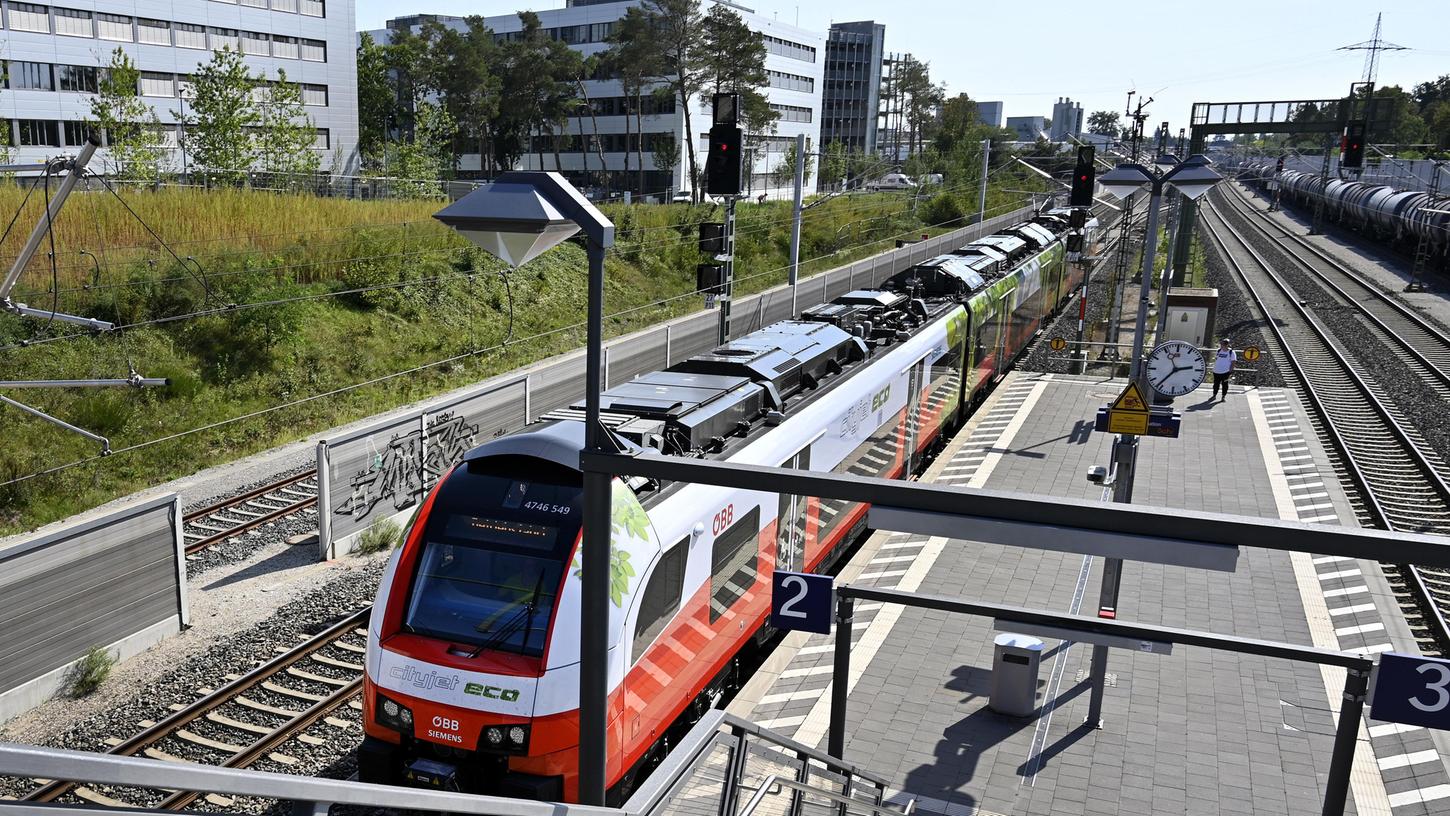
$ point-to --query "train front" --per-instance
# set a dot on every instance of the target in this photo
(459, 692)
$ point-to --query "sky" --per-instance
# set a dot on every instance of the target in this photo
(1231, 51)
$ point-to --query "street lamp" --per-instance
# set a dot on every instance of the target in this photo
(517, 217)
(1192, 178)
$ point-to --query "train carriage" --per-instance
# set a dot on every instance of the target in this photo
(473, 659)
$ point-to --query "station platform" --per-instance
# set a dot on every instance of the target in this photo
(1194, 732)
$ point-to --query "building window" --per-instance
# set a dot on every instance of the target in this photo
(31, 76)
(153, 32)
(733, 563)
(158, 84)
(114, 27)
(314, 50)
(314, 95)
(283, 46)
(73, 23)
(38, 133)
(314, 8)
(190, 36)
(184, 87)
(30, 17)
(661, 597)
(323, 141)
(791, 82)
(786, 48)
(76, 133)
(285, 5)
(255, 3)
(79, 78)
(256, 44)
(224, 38)
(792, 113)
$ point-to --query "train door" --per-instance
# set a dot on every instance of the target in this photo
(791, 523)
(1004, 331)
(913, 415)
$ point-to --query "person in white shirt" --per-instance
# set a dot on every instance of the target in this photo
(1223, 366)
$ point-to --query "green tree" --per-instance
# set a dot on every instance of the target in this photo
(678, 27)
(460, 66)
(217, 126)
(635, 59)
(923, 100)
(286, 136)
(377, 100)
(132, 128)
(418, 163)
(835, 162)
(732, 59)
(1104, 123)
(666, 153)
(784, 173)
(529, 85)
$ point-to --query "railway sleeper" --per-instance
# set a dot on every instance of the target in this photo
(207, 742)
(317, 678)
(96, 797)
(263, 707)
(335, 663)
(292, 692)
(222, 719)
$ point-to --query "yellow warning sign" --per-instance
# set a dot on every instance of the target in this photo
(1251, 353)
(1057, 344)
(1130, 400)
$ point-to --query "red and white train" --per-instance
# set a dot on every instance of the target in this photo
(473, 647)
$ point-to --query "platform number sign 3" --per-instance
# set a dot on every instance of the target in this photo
(1412, 689)
(802, 601)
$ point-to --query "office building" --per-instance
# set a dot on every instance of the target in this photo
(794, 60)
(990, 113)
(1028, 128)
(1066, 120)
(850, 100)
(54, 55)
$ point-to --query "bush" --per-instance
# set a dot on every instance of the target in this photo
(91, 671)
(381, 536)
(944, 210)
(104, 411)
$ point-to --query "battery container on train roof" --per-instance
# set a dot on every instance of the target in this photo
(784, 357)
(950, 276)
(1009, 245)
(678, 411)
(1034, 234)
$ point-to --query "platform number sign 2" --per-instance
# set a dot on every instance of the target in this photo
(1412, 689)
(802, 601)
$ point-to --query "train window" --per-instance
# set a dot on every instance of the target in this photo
(733, 563)
(790, 525)
(661, 597)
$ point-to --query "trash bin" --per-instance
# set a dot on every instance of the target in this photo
(1015, 661)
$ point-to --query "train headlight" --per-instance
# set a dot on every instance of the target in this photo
(517, 735)
(494, 735)
(394, 715)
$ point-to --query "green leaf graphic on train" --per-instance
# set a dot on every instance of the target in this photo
(628, 520)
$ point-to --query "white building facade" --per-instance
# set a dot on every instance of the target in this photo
(1066, 120)
(54, 54)
(794, 61)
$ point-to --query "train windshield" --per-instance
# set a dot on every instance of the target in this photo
(493, 557)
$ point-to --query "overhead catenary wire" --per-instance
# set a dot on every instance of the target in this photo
(405, 372)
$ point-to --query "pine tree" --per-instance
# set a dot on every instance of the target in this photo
(286, 136)
(218, 126)
(376, 98)
(634, 58)
(678, 27)
(131, 127)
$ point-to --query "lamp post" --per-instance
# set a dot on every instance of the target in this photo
(517, 217)
(1192, 178)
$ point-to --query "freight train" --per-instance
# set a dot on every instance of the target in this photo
(1400, 218)
(473, 647)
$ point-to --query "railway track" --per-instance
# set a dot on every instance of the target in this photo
(1399, 482)
(249, 511)
(1422, 345)
(249, 719)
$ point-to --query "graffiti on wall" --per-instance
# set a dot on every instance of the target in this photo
(397, 473)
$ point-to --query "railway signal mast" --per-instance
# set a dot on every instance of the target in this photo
(722, 178)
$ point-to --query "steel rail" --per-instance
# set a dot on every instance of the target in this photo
(1371, 491)
(250, 524)
(199, 708)
(1429, 335)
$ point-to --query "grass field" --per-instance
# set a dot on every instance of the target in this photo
(312, 304)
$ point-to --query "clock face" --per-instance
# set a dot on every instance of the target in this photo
(1176, 368)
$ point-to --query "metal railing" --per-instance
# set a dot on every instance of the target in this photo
(719, 762)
